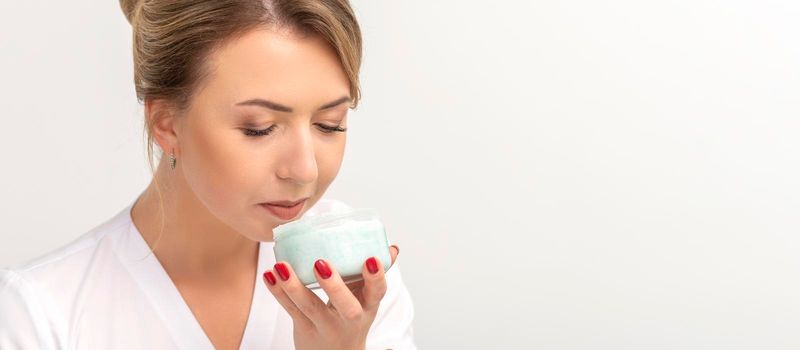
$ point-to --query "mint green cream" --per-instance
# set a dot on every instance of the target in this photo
(345, 239)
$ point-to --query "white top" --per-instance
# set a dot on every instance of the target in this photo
(105, 290)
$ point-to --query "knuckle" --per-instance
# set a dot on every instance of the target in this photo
(337, 288)
(294, 311)
(302, 326)
(353, 314)
(308, 309)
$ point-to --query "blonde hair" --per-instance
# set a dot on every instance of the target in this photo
(172, 40)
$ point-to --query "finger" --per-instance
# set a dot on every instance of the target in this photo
(339, 294)
(375, 282)
(394, 252)
(309, 303)
(355, 287)
(283, 299)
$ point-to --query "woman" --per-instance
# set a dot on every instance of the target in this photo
(249, 98)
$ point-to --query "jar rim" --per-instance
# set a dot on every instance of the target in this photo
(309, 223)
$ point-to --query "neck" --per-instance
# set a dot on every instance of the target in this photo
(194, 242)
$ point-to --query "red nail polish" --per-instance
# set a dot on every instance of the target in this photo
(372, 265)
(283, 271)
(270, 278)
(322, 267)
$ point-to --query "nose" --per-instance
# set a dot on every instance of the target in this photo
(298, 161)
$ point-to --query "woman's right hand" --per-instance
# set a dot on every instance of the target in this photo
(342, 323)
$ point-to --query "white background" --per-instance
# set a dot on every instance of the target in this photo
(558, 174)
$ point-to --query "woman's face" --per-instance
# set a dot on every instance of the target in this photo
(231, 172)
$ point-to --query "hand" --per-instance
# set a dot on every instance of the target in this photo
(342, 323)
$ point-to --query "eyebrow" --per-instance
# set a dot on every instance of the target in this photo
(281, 108)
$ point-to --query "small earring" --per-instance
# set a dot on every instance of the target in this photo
(172, 159)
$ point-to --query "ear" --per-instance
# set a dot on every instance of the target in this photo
(161, 114)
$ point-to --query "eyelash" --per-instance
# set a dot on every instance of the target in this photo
(264, 132)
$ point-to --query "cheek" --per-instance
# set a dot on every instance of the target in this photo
(220, 168)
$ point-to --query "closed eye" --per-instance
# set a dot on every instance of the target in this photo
(259, 132)
(264, 132)
(330, 129)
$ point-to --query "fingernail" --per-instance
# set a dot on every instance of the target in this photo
(283, 271)
(372, 265)
(270, 278)
(396, 247)
(322, 267)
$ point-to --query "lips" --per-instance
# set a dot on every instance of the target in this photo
(285, 210)
(287, 203)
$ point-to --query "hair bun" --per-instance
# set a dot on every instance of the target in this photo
(129, 8)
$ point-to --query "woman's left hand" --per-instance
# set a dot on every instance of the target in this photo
(342, 323)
